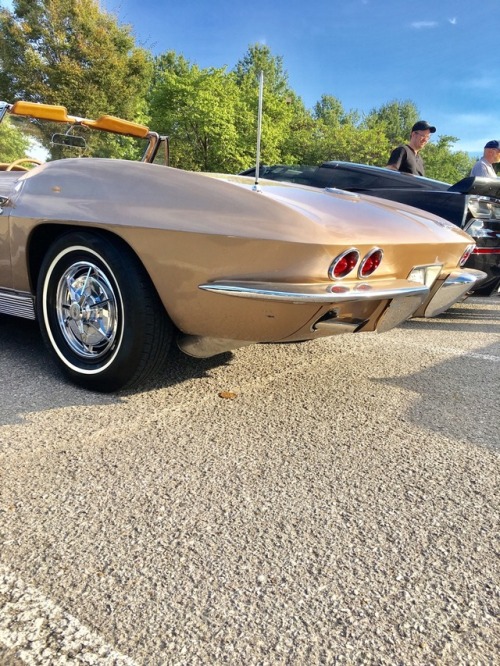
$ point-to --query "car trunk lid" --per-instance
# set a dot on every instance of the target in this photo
(487, 187)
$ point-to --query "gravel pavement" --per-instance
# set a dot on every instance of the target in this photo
(338, 506)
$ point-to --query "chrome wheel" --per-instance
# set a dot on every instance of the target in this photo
(87, 310)
(99, 313)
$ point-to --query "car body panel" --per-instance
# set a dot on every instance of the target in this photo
(452, 202)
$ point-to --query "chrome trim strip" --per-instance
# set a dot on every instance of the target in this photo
(17, 304)
(323, 292)
(343, 193)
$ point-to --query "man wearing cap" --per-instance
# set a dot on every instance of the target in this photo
(484, 166)
(407, 158)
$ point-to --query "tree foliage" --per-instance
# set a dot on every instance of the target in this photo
(72, 53)
(197, 108)
(69, 52)
(396, 117)
(283, 111)
(13, 144)
(443, 164)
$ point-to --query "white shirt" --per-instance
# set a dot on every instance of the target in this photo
(484, 169)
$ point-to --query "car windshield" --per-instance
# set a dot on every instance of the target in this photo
(46, 132)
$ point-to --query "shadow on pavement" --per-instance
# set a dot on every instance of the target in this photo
(31, 381)
(459, 397)
(470, 316)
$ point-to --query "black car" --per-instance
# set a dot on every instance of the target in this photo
(473, 204)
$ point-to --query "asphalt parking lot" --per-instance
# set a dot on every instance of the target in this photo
(331, 502)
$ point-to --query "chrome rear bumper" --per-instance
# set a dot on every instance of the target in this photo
(395, 301)
(321, 293)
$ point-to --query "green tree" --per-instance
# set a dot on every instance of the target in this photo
(397, 117)
(347, 143)
(13, 144)
(341, 135)
(69, 52)
(198, 109)
(286, 125)
(257, 59)
(329, 110)
(444, 164)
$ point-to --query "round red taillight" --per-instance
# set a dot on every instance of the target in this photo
(343, 264)
(370, 263)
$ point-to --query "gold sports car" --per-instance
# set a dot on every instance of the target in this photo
(116, 257)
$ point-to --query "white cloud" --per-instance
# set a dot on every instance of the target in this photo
(483, 82)
(453, 20)
(418, 25)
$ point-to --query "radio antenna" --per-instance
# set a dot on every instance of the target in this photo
(259, 131)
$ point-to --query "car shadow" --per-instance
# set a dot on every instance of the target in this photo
(31, 381)
(475, 319)
(457, 398)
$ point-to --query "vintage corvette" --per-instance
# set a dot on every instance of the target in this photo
(473, 204)
(116, 257)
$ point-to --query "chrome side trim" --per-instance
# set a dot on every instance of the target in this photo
(454, 288)
(17, 304)
(322, 292)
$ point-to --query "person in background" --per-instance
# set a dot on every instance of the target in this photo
(484, 166)
(406, 158)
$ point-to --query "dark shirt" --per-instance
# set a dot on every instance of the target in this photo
(405, 160)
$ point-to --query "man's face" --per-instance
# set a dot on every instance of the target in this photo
(420, 138)
(492, 155)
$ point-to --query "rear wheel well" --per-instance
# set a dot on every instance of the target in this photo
(45, 235)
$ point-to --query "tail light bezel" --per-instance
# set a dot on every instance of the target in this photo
(333, 265)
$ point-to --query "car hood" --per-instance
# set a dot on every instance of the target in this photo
(487, 187)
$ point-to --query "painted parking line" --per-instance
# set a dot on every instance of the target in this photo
(41, 633)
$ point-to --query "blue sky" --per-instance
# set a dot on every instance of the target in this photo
(443, 55)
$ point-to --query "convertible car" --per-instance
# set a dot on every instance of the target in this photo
(116, 257)
(473, 204)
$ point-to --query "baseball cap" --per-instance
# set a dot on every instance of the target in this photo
(493, 144)
(423, 125)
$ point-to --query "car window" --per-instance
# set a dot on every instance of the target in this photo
(349, 176)
(47, 140)
(349, 179)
